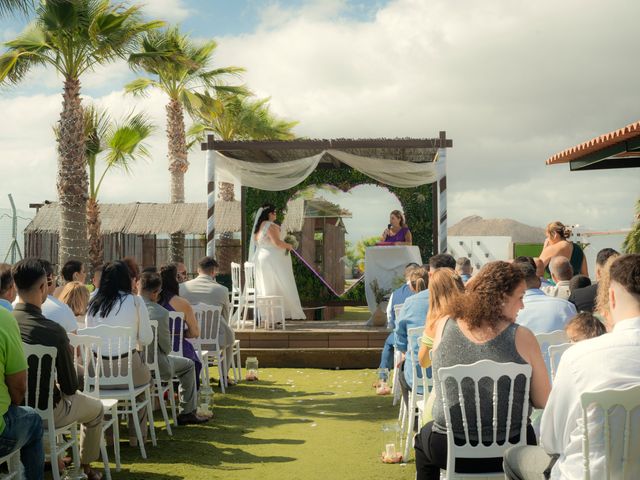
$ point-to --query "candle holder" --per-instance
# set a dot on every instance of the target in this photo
(251, 368)
(382, 387)
(391, 443)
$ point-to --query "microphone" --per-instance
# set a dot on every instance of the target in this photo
(388, 225)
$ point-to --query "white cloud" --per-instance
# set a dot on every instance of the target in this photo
(169, 10)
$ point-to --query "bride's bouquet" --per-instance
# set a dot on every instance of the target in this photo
(291, 240)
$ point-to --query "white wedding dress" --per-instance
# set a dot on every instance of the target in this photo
(274, 274)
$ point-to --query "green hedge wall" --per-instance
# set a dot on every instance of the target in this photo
(416, 205)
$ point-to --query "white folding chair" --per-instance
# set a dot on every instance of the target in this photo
(270, 312)
(414, 409)
(235, 295)
(177, 326)
(84, 360)
(249, 291)
(14, 467)
(395, 385)
(545, 340)
(158, 387)
(616, 415)
(208, 344)
(451, 379)
(114, 340)
(54, 436)
(555, 354)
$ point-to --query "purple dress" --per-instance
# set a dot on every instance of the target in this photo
(188, 350)
(398, 237)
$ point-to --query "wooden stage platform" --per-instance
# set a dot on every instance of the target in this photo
(316, 344)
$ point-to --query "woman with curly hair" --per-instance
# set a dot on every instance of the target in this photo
(482, 327)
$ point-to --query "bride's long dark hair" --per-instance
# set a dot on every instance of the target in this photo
(267, 208)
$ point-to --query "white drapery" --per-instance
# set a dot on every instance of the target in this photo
(285, 175)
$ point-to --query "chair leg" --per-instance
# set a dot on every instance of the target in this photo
(53, 449)
(159, 391)
(152, 427)
(221, 372)
(172, 402)
(237, 372)
(116, 435)
(105, 458)
(136, 424)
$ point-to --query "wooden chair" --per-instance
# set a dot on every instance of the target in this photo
(249, 291)
(235, 295)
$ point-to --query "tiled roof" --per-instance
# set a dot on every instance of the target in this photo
(595, 144)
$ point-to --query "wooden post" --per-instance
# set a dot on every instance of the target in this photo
(442, 194)
(211, 183)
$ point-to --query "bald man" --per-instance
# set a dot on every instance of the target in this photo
(561, 274)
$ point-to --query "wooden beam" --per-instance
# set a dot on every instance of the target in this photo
(324, 144)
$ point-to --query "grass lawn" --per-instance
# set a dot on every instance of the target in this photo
(292, 424)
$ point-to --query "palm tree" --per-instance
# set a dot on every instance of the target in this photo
(17, 6)
(632, 241)
(179, 68)
(233, 116)
(73, 36)
(119, 144)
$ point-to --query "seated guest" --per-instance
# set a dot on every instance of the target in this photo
(482, 327)
(76, 296)
(413, 314)
(71, 271)
(541, 313)
(115, 305)
(601, 308)
(397, 232)
(69, 405)
(537, 264)
(20, 427)
(53, 308)
(584, 298)
(441, 260)
(561, 273)
(8, 289)
(182, 272)
(398, 297)
(464, 268)
(205, 289)
(134, 273)
(609, 361)
(578, 281)
(172, 301)
(445, 288)
(95, 281)
(170, 365)
(583, 326)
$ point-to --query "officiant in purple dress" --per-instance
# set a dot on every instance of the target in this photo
(397, 232)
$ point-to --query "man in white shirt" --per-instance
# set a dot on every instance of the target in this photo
(205, 289)
(53, 308)
(542, 313)
(610, 361)
(561, 274)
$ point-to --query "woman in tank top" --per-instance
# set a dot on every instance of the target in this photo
(481, 326)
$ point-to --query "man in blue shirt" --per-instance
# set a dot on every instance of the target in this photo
(398, 297)
(542, 313)
(464, 268)
(8, 290)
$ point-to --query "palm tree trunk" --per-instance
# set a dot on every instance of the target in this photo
(72, 177)
(93, 230)
(178, 165)
(226, 251)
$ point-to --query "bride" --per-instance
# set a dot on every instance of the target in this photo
(274, 273)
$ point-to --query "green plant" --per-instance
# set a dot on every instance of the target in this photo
(632, 240)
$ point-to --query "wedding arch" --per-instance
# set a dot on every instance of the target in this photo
(414, 170)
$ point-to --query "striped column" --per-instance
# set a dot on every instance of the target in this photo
(442, 200)
(211, 183)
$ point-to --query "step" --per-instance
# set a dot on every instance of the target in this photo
(344, 358)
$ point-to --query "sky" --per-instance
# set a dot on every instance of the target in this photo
(511, 82)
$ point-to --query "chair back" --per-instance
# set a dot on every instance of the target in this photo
(115, 346)
(545, 340)
(250, 278)
(150, 352)
(208, 317)
(396, 310)
(451, 382)
(40, 358)
(413, 339)
(177, 327)
(85, 360)
(236, 282)
(614, 416)
(555, 354)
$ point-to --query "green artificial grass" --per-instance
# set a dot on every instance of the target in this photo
(291, 424)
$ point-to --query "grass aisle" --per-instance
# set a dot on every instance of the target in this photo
(292, 424)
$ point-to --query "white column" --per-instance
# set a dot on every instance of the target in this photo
(211, 183)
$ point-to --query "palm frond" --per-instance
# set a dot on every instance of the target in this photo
(631, 242)
(140, 86)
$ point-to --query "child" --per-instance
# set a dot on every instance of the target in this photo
(583, 326)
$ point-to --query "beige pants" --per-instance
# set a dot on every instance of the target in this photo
(88, 412)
